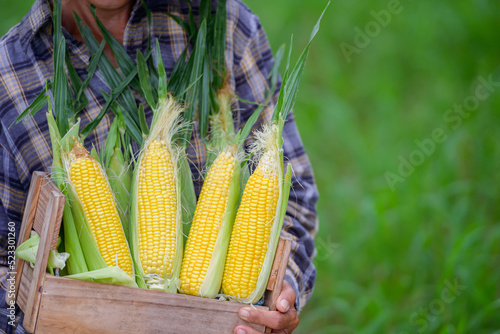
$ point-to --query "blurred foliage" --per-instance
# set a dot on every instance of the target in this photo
(384, 256)
(387, 256)
(12, 12)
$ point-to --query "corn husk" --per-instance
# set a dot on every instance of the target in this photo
(109, 275)
(29, 249)
(164, 127)
(269, 142)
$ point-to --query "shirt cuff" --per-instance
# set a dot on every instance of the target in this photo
(295, 286)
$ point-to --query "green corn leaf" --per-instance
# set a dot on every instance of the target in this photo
(162, 75)
(204, 101)
(60, 83)
(115, 93)
(82, 101)
(287, 184)
(60, 88)
(55, 139)
(38, 103)
(195, 64)
(274, 73)
(250, 102)
(123, 60)
(176, 83)
(57, 23)
(139, 279)
(134, 130)
(122, 130)
(291, 83)
(120, 178)
(124, 138)
(191, 87)
(288, 59)
(219, 45)
(192, 25)
(95, 122)
(204, 12)
(91, 68)
(28, 249)
(153, 73)
(281, 94)
(148, 14)
(111, 140)
(142, 118)
(111, 76)
(145, 80)
(95, 155)
(57, 260)
(243, 133)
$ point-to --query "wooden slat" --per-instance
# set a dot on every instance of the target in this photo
(48, 188)
(26, 225)
(48, 208)
(59, 305)
(26, 278)
(278, 273)
(277, 276)
(70, 306)
(276, 264)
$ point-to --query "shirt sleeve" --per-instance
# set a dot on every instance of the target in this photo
(11, 203)
(253, 61)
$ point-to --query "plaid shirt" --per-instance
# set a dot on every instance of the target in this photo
(26, 62)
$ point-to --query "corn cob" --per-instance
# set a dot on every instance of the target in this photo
(158, 206)
(252, 230)
(92, 188)
(76, 262)
(157, 209)
(86, 215)
(208, 239)
(93, 232)
(156, 215)
(86, 244)
(155, 197)
(207, 243)
(258, 222)
(260, 216)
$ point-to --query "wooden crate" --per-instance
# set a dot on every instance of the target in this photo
(60, 305)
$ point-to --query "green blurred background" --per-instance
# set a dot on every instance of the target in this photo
(409, 251)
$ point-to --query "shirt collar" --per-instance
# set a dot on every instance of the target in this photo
(37, 17)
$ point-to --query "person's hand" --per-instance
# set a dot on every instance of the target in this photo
(284, 320)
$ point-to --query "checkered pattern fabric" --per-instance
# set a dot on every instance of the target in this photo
(26, 63)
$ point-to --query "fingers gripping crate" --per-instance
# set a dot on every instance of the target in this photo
(61, 305)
